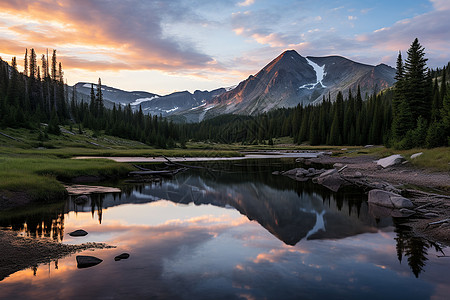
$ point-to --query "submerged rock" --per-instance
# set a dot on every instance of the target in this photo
(79, 232)
(388, 199)
(122, 256)
(85, 261)
(390, 160)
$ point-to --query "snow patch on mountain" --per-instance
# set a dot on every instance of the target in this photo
(320, 74)
(171, 110)
(140, 100)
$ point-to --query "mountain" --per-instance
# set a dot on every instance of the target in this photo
(151, 103)
(288, 80)
(291, 79)
(112, 95)
(179, 102)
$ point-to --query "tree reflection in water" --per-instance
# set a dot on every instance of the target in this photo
(289, 210)
(413, 247)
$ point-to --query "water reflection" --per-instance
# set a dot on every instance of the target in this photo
(179, 230)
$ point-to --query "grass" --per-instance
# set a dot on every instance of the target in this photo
(436, 159)
(39, 177)
(36, 168)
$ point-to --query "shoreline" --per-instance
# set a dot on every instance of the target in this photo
(430, 207)
(24, 252)
(19, 253)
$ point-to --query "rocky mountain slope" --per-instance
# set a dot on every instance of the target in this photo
(288, 80)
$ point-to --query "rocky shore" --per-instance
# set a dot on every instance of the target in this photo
(388, 184)
(18, 253)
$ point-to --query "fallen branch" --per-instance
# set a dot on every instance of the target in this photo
(439, 222)
(424, 205)
(141, 168)
(161, 173)
(8, 136)
(186, 166)
(342, 169)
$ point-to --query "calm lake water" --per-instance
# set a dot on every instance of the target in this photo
(240, 234)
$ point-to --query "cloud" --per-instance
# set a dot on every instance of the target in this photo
(441, 4)
(128, 34)
(246, 3)
(430, 28)
(255, 25)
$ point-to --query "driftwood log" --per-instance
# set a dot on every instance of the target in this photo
(8, 136)
(160, 173)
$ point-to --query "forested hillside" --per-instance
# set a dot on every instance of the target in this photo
(414, 113)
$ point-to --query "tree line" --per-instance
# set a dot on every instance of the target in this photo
(38, 98)
(415, 112)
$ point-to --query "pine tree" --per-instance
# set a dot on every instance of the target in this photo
(416, 82)
(99, 98)
(25, 63)
(54, 63)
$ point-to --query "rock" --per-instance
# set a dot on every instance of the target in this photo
(415, 155)
(300, 172)
(121, 256)
(292, 172)
(85, 261)
(276, 173)
(357, 175)
(79, 232)
(328, 172)
(431, 215)
(334, 181)
(390, 160)
(388, 199)
(401, 202)
(368, 146)
(344, 149)
(407, 212)
(338, 165)
(311, 170)
(81, 199)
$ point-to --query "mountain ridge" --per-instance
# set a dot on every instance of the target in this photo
(286, 81)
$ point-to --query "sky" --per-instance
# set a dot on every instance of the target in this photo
(174, 45)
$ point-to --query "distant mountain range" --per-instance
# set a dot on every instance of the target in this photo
(286, 81)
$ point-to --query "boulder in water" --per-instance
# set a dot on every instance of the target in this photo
(85, 261)
(122, 256)
(389, 199)
(79, 232)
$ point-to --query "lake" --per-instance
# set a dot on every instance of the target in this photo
(242, 233)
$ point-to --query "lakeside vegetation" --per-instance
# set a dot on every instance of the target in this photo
(44, 126)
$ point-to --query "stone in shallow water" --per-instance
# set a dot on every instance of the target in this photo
(121, 256)
(388, 199)
(79, 232)
(85, 261)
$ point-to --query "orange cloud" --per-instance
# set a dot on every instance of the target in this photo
(92, 36)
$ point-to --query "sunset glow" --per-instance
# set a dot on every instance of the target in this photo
(166, 46)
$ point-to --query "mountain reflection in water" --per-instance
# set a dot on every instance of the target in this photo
(187, 235)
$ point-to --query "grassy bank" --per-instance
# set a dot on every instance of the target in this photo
(36, 168)
(39, 177)
(436, 159)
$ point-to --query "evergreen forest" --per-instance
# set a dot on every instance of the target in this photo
(415, 112)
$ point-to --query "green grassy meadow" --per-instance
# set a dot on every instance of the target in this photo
(38, 168)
